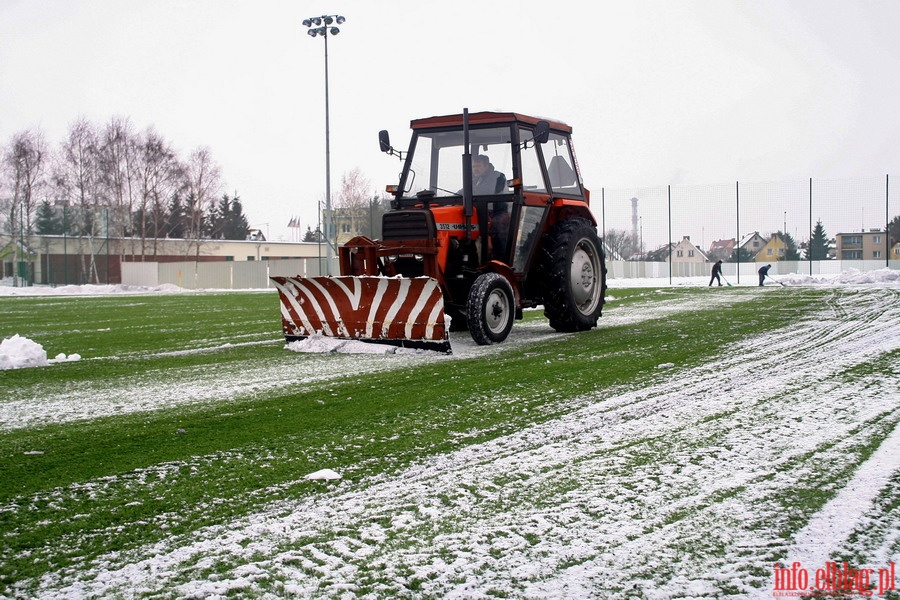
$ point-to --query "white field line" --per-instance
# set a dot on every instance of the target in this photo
(576, 507)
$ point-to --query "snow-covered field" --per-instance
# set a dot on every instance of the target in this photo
(672, 490)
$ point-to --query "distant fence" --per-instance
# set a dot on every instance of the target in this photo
(739, 272)
(240, 275)
(228, 275)
(653, 216)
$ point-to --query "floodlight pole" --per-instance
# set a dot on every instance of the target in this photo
(329, 219)
(323, 26)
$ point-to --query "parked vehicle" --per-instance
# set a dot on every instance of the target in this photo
(489, 217)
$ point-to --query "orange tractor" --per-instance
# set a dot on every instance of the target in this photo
(489, 217)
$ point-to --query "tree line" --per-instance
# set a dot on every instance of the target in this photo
(112, 181)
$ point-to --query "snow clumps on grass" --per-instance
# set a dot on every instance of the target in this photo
(19, 352)
(324, 475)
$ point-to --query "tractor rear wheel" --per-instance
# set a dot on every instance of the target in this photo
(574, 271)
(490, 309)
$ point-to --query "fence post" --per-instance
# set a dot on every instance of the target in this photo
(809, 244)
(670, 233)
(65, 246)
(603, 211)
(887, 221)
(737, 214)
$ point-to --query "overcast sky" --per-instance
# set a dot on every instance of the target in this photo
(658, 92)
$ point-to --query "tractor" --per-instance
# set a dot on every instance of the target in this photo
(489, 217)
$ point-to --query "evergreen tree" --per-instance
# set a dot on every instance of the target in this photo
(236, 225)
(48, 220)
(227, 220)
(176, 219)
(818, 243)
(741, 255)
(138, 222)
(894, 230)
(215, 221)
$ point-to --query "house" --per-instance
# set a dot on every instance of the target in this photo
(752, 243)
(772, 250)
(721, 249)
(686, 252)
(256, 235)
(895, 251)
(660, 254)
(17, 260)
(864, 245)
(362, 220)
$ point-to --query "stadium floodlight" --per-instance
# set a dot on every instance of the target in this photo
(316, 28)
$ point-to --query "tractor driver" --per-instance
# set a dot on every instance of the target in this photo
(485, 180)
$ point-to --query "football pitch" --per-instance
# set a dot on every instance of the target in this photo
(696, 443)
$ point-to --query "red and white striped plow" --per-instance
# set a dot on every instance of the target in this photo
(407, 312)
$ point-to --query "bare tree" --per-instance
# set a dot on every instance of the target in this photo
(117, 172)
(75, 173)
(620, 244)
(159, 178)
(203, 182)
(75, 177)
(25, 165)
(354, 201)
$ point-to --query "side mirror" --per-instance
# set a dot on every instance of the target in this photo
(384, 139)
(541, 132)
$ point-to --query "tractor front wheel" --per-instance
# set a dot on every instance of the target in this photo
(574, 271)
(491, 309)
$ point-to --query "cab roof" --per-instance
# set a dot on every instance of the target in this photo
(482, 118)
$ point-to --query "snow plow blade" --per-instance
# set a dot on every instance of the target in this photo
(405, 312)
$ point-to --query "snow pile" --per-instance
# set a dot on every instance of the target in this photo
(320, 344)
(885, 277)
(7, 289)
(324, 475)
(20, 352)
(64, 358)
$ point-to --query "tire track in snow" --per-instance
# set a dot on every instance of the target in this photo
(830, 522)
(632, 490)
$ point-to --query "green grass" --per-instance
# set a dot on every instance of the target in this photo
(107, 483)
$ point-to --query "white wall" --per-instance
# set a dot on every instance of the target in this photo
(237, 275)
(219, 275)
(619, 269)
